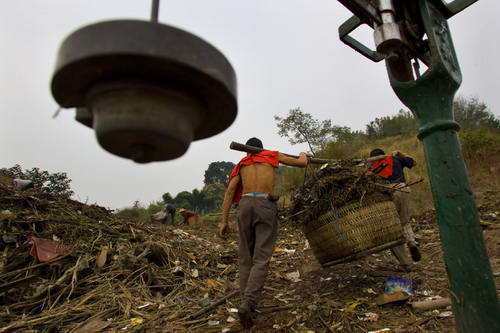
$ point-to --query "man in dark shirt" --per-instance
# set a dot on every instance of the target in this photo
(391, 170)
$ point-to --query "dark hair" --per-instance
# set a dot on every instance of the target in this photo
(377, 152)
(254, 142)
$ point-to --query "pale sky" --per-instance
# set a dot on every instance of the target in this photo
(286, 54)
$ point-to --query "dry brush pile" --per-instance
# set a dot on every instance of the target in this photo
(109, 273)
(334, 185)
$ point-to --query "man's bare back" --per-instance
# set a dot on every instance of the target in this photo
(259, 177)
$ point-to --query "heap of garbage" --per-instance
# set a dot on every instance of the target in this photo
(68, 266)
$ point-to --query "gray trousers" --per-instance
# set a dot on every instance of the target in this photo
(402, 202)
(258, 229)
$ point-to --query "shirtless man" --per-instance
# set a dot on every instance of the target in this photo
(252, 180)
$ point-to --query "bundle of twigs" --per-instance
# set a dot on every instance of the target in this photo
(334, 185)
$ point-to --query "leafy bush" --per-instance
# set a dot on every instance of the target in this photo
(479, 142)
(139, 213)
(54, 183)
(473, 113)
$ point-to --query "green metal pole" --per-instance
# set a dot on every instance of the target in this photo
(430, 97)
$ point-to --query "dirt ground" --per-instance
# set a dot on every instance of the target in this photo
(338, 298)
(156, 278)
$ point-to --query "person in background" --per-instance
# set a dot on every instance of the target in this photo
(390, 168)
(251, 185)
(187, 215)
(170, 210)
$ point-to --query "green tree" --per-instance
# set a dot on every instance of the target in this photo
(198, 200)
(402, 123)
(167, 198)
(300, 127)
(214, 195)
(218, 172)
(473, 113)
(54, 183)
(183, 200)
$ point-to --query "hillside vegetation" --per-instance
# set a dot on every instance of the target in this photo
(479, 137)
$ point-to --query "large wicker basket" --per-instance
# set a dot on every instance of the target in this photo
(354, 230)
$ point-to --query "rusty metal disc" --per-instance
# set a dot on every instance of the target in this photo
(158, 55)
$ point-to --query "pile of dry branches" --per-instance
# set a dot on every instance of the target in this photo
(335, 185)
(113, 274)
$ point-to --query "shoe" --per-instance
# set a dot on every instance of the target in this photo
(246, 316)
(414, 251)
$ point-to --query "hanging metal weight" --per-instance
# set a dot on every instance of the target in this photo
(147, 89)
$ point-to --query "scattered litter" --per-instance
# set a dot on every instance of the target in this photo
(136, 321)
(213, 322)
(7, 215)
(371, 291)
(46, 249)
(383, 330)
(397, 296)
(233, 310)
(396, 283)
(143, 306)
(230, 319)
(212, 283)
(369, 316)
(293, 276)
(425, 292)
(195, 273)
(431, 304)
(446, 314)
(224, 330)
(352, 306)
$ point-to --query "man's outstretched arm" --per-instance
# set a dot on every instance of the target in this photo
(296, 162)
(403, 155)
(226, 205)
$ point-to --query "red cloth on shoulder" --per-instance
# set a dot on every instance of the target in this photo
(266, 156)
(383, 167)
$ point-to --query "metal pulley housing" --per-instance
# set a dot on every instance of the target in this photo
(387, 35)
(147, 89)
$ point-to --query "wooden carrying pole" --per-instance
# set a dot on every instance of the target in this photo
(251, 149)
